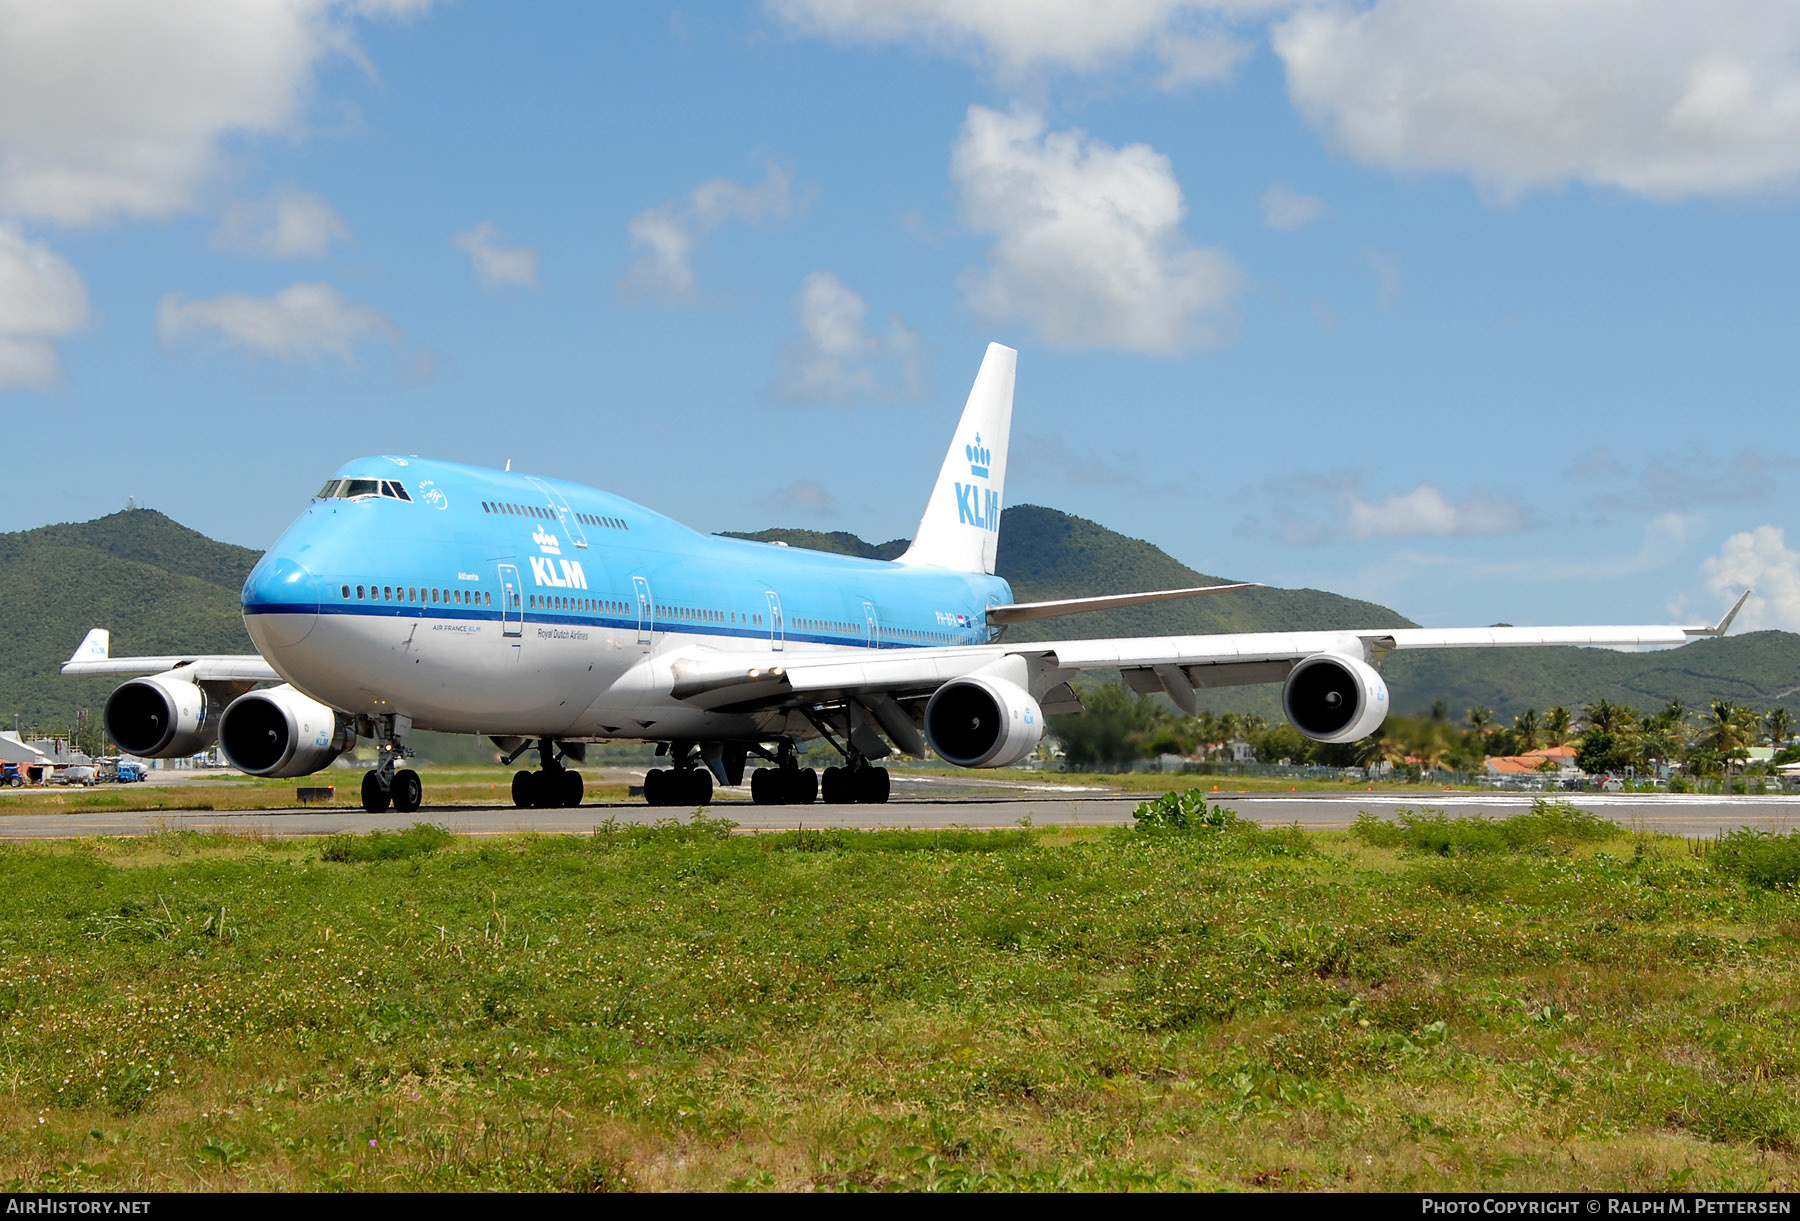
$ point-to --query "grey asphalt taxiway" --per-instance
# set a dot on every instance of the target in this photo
(928, 803)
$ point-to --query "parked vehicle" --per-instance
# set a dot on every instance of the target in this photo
(122, 771)
(11, 776)
(80, 773)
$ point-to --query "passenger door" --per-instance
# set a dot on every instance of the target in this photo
(646, 610)
(512, 612)
(777, 632)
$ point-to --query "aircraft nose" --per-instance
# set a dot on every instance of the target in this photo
(281, 601)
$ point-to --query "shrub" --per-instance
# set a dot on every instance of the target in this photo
(1758, 858)
(1187, 813)
(1184, 811)
(1550, 825)
(417, 840)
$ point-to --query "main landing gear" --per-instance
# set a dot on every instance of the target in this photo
(551, 787)
(688, 783)
(387, 783)
(789, 784)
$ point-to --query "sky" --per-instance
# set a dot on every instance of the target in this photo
(1481, 309)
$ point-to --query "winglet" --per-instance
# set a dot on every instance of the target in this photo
(1718, 629)
(95, 646)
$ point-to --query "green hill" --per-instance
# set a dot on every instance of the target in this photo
(159, 587)
(162, 588)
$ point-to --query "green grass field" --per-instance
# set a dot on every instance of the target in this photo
(1422, 1005)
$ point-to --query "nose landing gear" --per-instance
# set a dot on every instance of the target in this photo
(387, 784)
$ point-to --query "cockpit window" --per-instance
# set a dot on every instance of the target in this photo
(352, 489)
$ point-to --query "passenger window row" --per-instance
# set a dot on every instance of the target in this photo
(355, 489)
(418, 595)
(512, 510)
(917, 636)
(603, 606)
(507, 509)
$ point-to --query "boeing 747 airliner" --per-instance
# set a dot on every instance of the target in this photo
(416, 594)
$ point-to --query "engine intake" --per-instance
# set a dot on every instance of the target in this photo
(160, 717)
(280, 732)
(983, 722)
(1335, 699)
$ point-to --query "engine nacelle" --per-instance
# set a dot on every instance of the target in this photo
(1335, 699)
(983, 722)
(280, 732)
(160, 717)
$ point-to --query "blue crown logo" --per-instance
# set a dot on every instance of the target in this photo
(978, 457)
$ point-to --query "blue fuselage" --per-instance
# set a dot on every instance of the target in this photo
(475, 600)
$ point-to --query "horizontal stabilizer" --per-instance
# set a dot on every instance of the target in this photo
(1019, 612)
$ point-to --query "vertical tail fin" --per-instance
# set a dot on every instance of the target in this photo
(961, 526)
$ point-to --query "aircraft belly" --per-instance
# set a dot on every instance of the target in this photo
(457, 676)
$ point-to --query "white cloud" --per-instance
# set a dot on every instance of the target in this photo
(116, 108)
(290, 224)
(41, 299)
(838, 358)
(1285, 208)
(1019, 36)
(1424, 510)
(1387, 275)
(497, 264)
(301, 322)
(1088, 243)
(1668, 98)
(667, 236)
(1759, 560)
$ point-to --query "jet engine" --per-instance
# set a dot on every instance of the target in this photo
(160, 717)
(983, 722)
(280, 732)
(1335, 699)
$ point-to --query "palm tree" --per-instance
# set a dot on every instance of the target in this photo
(1383, 746)
(1780, 726)
(1727, 730)
(1527, 730)
(1479, 718)
(1609, 717)
(1556, 725)
(1673, 717)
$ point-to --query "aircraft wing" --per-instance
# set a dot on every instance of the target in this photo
(1175, 664)
(94, 656)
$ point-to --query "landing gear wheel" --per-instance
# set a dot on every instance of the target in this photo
(408, 792)
(803, 787)
(571, 789)
(871, 785)
(655, 783)
(836, 788)
(375, 795)
(765, 786)
(524, 790)
(696, 787)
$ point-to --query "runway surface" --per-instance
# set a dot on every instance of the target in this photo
(1673, 814)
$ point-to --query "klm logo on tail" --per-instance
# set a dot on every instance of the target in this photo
(978, 506)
